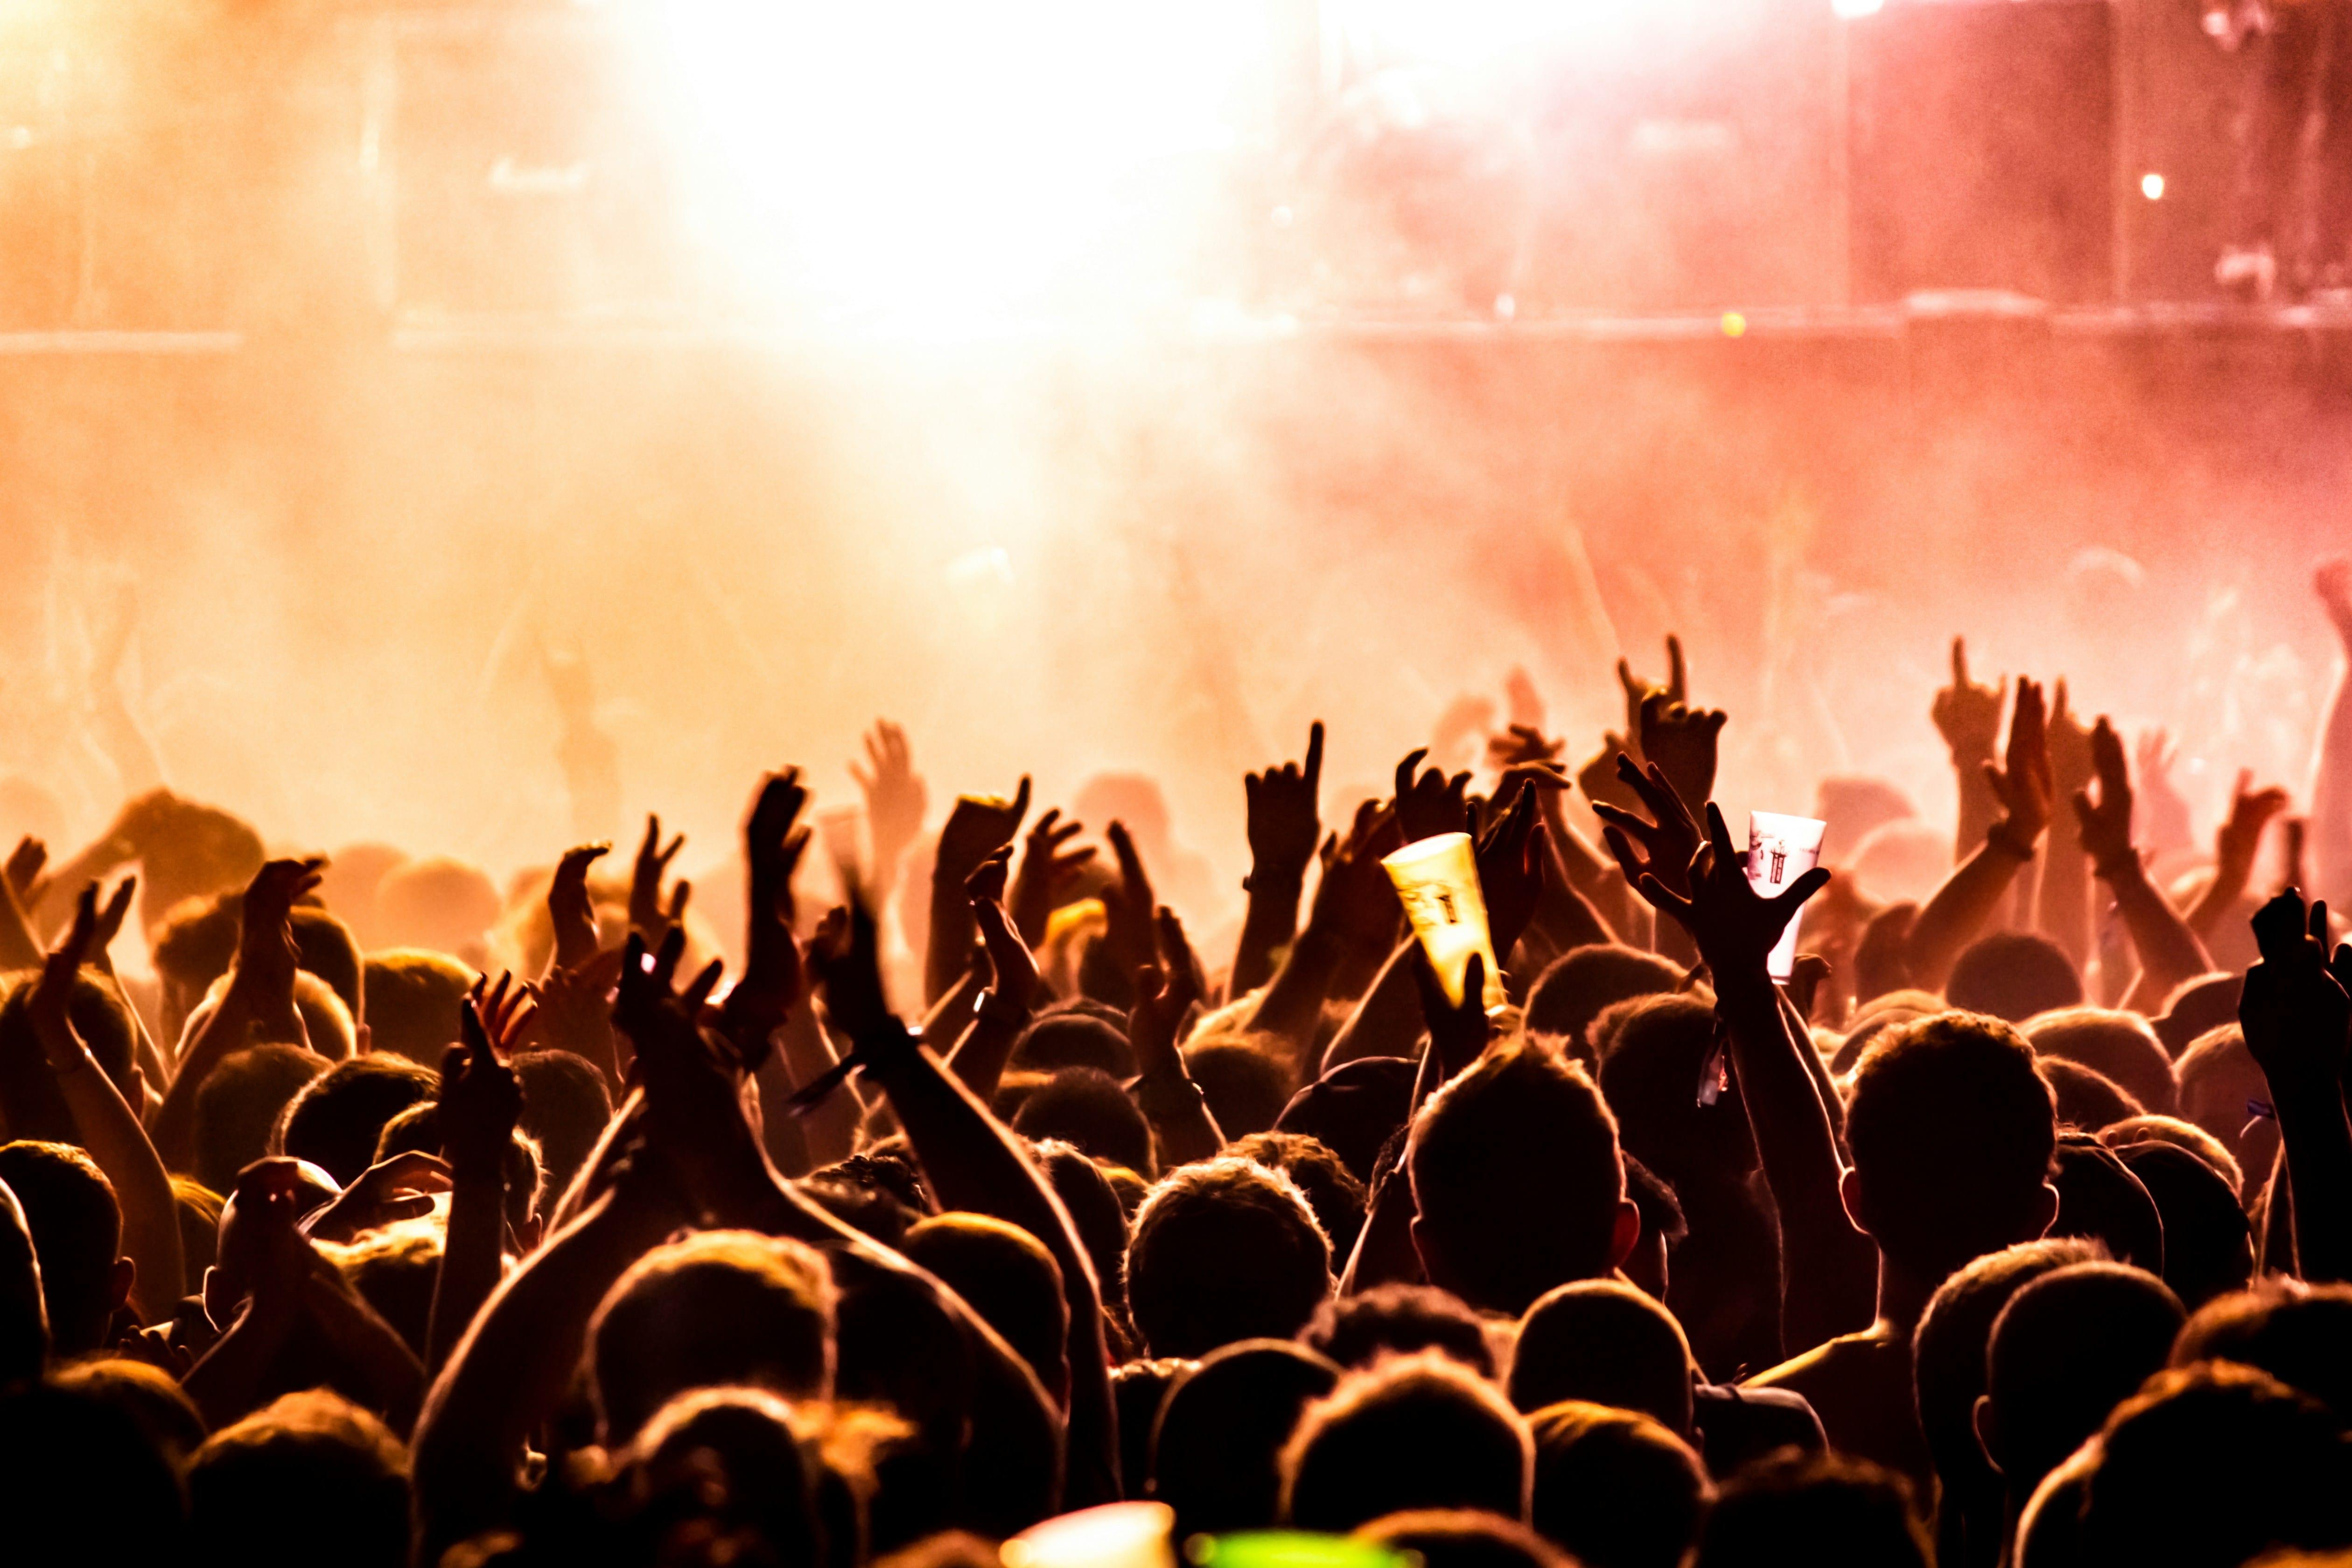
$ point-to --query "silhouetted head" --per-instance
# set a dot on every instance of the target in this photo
(2183, 1134)
(1516, 1179)
(719, 1307)
(239, 1104)
(1463, 1538)
(1224, 1250)
(1603, 1342)
(1217, 1443)
(2067, 1349)
(1006, 1276)
(2300, 1334)
(1389, 1320)
(2086, 1100)
(2118, 1045)
(1330, 1188)
(1575, 988)
(2210, 1465)
(1353, 1109)
(148, 1395)
(565, 1106)
(2013, 975)
(1246, 1085)
(2196, 1006)
(1649, 1068)
(77, 1229)
(2209, 1247)
(1073, 1039)
(439, 903)
(310, 1475)
(2219, 1078)
(415, 996)
(2100, 1200)
(1951, 1131)
(1097, 1214)
(82, 1482)
(1085, 1106)
(31, 1105)
(335, 1119)
(1414, 1432)
(726, 1466)
(1822, 1508)
(1615, 1488)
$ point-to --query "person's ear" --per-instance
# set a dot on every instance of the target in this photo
(2045, 1212)
(1626, 1233)
(1850, 1195)
(119, 1281)
(1988, 1430)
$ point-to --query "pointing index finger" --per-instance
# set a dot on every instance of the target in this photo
(1314, 756)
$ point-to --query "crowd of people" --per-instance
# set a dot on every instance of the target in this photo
(401, 1216)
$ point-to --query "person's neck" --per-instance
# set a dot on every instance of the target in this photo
(1902, 1296)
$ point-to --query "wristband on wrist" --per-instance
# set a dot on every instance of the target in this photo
(2006, 838)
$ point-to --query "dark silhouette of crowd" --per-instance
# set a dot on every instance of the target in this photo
(405, 1217)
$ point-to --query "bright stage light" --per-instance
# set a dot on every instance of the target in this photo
(1852, 8)
(932, 161)
(2151, 185)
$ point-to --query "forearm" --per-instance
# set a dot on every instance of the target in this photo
(947, 956)
(376, 1361)
(2331, 794)
(1388, 1020)
(1292, 1005)
(2169, 951)
(1270, 926)
(472, 1252)
(2064, 907)
(1979, 806)
(151, 1216)
(2231, 878)
(829, 1129)
(226, 1384)
(1597, 884)
(2318, 1142)
(1957, 912)
(1180, 1117)
(980, 1056)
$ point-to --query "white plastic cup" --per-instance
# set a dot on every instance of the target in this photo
(1114, 1535)
(1780, 850)
(1438, 881)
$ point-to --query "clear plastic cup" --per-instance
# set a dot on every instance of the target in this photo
(1780, 850)
(1438, 881)
(1115, 1535)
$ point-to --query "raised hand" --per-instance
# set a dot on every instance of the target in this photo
(1523, 745)
(1164, 993)
(1510, 858)
(266, 957)
(2024, 786)
(1431, 804)
(1012, 965)
(1355, 903)
(1968, 715)
(48, 1008)
(1681, 742)
(2072, 764)
(645, 912)
(846, 957)
(1284, 823)
(1457, 1033)
(2294, 1008)
(2163, 811)
(575, 1013)
(1668, 837)
(570, 909)
(481, 1098)
(23, 871)
(1735, 927)
(2106, 824)
(977, 826)
(1048, 870)
(1638, 689)
(397, 1188)
(694, 1115)
(2239, 838)
(2332, 580)
(108, 925)
(772, 979)
(895, 796)
(1129, 905)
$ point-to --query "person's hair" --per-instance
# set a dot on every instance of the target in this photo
(394, 1267)
(308, 1476)
(2118, 1045)
(2013, 975)
(414, 997)
(1576, 987)
(1387, 1320)
(1947, 1352)
(2183, 1134)
(83, 1481)
(1820, 1506)
(1215, 1444)
(565, 1107)
(1056, 1041)
(196, 942)
(1516, 1174)
(1331, 1189)
(1224, 1250)
(2085, 1097)
(2209, 1465)
(335, 1119)
(31, 1104)
(199, 1209)
(1246, 1085)
(1414, 1432)
(2100, 1199)
(1137, 1389)
(2299, 1333)
(2209, 1247)
(148, 1395)
(1462, 1538)
(324, 946)
(1096, 1213)
(1603, 1342)
(1951, 1131)
(732, 1460)
(1085, 1106)
(2216, 1075)
(719, 1307)
(1006, 1276)
(2067, 1350)
(2200, 1002)
(76, 1227)
(239, 1102)
(1649, 1075)
(1354, 1108)
(1615, 1488)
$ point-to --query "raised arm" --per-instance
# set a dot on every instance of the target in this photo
(2295, 1014)
(1284, 830)
(976, 828)
(2063, 904)
(482, 1099)
(1004, 1007)
(1355, 912)
(1962, 907)
(1172, 1101)
(104, 1122)
(2236, 844)
(2169, 951)
(1968, 716)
